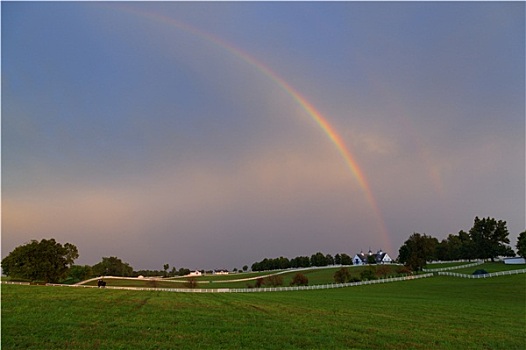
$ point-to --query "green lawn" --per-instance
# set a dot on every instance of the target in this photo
(315, 276)
(490, 267)
(432, 313)
(230, 276)
(447, 264)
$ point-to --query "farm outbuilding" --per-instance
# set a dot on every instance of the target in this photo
(515, 261)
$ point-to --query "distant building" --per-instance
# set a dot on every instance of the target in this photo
(380, 258)
(195, 273)
(221, 272)
(515, 261)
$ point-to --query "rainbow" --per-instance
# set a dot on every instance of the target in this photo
(311, 111)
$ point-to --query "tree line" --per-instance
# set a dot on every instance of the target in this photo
(317, 259)
(486, 240)
(51, 262)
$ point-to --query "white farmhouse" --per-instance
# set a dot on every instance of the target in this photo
(380, 257)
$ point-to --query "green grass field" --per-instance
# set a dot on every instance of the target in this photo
(446, 264)
(490, 267)
(315, 276)
(432, 313)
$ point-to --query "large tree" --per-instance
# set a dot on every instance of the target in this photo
(112, 266)
(318, 259)
(456, 247)
(467, 246)
(417, 251)
(300, 261)
(521, 244)
(490, 238)
(46, 261)
(346, 259)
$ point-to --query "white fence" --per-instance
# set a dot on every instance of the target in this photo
(454, 267)
(21, 283)
(486, 275)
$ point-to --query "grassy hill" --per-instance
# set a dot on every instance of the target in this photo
(242, 280)
(437, 313)
(316, 276)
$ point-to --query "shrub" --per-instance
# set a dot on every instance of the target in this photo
(259, 282)
(382, 270)
(404, 270)
(270, 281)
(342, 275)
(299, 280)
(274, 281)
(368, 274)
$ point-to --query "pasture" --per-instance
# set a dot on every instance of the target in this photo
(432, 313)
(316, 276)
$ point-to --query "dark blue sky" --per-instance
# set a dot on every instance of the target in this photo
(138, 130)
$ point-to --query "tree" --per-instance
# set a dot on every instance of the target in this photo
(342, 275)
(451, 248)
(79, 273)
(245, 268)
(368, 274)
(300, 261)
(173, 271)
(417, 251)
(318, 259)
(299, 279)
(183, 271)
(274, 280)
(467, 247)
(72, 253)
(256, 267)
(112, 266)
(521, 244)
(165, 268)
(346, 259)
(46, 260)
(490, 238)
(283, 263)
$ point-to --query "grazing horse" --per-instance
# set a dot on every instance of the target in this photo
(101, 284)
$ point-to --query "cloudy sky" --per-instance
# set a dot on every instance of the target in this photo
(212, 135)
